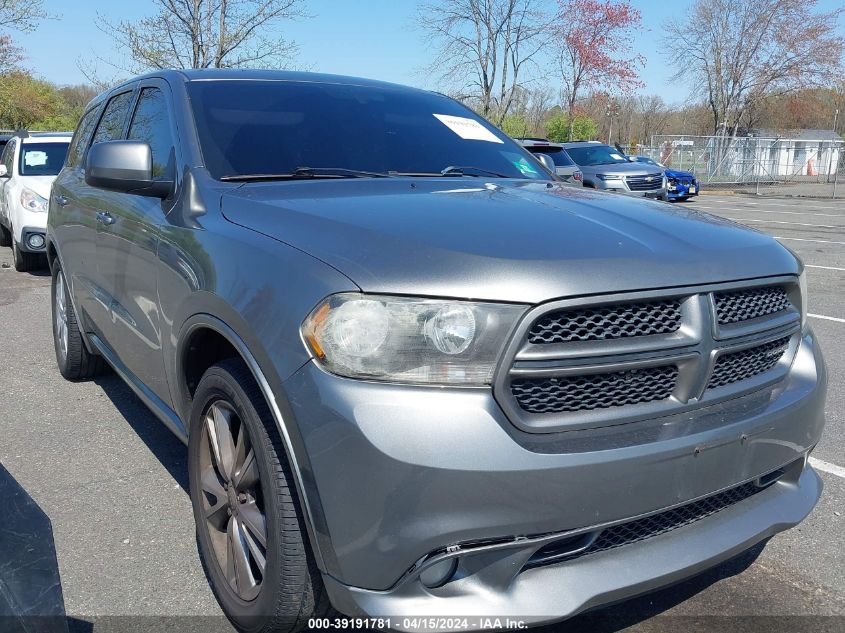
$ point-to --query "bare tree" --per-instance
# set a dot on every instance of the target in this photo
(654, 116)
(20, 15)
(208, 34)
(484, 46)
(742, 51)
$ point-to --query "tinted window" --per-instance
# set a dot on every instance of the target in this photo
(151, 123)
(42, 159)
(9, 155)
(557, 154)
(82, 136)
(596, 155)
(111, 125)
(273, 127)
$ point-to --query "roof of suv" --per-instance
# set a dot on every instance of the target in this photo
(536, 142)
(582, 144)
(46, 137)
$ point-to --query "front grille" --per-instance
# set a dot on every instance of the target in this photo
(742, 305)
(736, 366)
(654, 525)
(587, 392)
(642, 183)
(600, 323)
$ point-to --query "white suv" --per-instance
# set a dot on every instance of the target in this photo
(28, 167)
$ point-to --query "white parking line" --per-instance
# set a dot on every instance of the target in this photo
(824, 267)
(826, 318)
(803, 239)
(827, 467)
(823, 215)
(820, 226)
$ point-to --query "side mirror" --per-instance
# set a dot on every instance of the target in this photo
(125, 166)
(4, 173)
(547, 161)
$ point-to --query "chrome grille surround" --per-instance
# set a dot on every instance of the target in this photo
(537, 384)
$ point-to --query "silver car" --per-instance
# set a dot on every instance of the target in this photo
(608, 169)
(427, 383)
(564, 166)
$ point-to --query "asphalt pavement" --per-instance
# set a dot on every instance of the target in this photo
(112, 479)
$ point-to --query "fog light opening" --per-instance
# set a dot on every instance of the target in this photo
(35, 241)
(439, 573)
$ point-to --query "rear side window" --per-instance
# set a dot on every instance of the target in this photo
(82, 136)
(151, 123)
(557, 154)
(9, 155)
(111, 125)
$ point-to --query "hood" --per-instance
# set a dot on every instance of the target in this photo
(675, 173)
(518, 241)
(39, 184)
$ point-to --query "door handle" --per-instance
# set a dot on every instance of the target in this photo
(104, 217)
(61, 200)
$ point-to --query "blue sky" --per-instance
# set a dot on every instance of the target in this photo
(369, 38)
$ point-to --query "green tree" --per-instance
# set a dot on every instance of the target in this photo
(516, 126)
(558, 129)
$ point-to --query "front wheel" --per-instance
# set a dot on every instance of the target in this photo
(24, 262)
(5, 236)
(250, 528)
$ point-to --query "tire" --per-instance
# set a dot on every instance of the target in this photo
(5, 236)
(24, 262)
(73, 359)
(288, 590)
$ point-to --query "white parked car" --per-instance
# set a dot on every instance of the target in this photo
(28, 167)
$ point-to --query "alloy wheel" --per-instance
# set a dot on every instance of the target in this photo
(60, 310)
(233, 502)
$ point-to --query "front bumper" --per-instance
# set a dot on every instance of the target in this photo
(401, 474)
(681, 190)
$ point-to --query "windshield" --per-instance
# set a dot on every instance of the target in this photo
(596, 155)
(42, 159)
(274, 127)
(557, 154)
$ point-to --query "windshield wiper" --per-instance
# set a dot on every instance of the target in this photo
(306, 173)
(452, 170)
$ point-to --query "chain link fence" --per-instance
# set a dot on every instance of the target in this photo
(766, 166)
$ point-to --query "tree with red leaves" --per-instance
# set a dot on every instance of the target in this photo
(592, 38)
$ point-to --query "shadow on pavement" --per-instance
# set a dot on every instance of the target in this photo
(159, 439)
(629, 614)
(30, 588)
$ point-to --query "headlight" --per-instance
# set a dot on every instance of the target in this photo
(802, 284)
(403, 339)
(31, 201)
(609, 176)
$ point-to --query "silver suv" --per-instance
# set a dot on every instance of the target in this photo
(564, 166)
(426, 383)
(606, 168)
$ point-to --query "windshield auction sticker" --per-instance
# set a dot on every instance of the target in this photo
(469, 129)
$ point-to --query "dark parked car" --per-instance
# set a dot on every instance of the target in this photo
(680, 185)
(429, 382)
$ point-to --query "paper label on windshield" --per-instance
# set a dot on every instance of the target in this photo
(615, 156)
(469, 129)
(35, 158)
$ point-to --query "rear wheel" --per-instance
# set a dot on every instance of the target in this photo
(74, 361)
(250, 529)
(5, 236)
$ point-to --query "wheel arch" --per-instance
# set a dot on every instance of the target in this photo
(222, 340)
